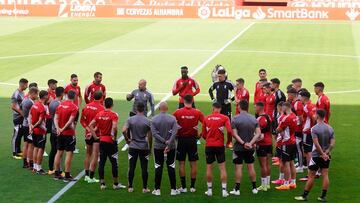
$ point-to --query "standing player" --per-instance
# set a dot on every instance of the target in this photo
(74, 80)
(52, 84)
(26, 105)
(297, 84)
(59, 92)
(37, 128)
(185, 86)
(323, 101)
(264, 146)
(324, 141)
(212, 131)
(224, 89)
(93, 87)
(258, 85)
(64, 122)
(18, 116)
(188, 119)
(279, 96)
(139, 127)
(103, 128)
(164, 129)
(92, 145)
(241, 93)
(269, 101)
(288, 125)
(246, 132)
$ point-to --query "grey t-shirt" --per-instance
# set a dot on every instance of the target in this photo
(324, 133)
(25, 107)
(245, 124)
(164, 127)
(52, 110)
(143, 97)
(17, 98)
(138, 126)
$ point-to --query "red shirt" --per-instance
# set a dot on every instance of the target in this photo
(52, 94)
(64, 111)
(187, 90)
(91, 89)
(213, 129)
(104, 121)
(76, 89)
(188, 119)
(37, 112)
(242, 95)
(309, 112)
(270, 105)
(280, 135)
(298, 109)
(323, 102)
(288, 124)
(88, 114)
(258, 94)
(265, 129)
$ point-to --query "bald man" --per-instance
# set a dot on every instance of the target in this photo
(164, 129)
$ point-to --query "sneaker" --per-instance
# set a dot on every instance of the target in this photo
(192, 190)
(156, 192)
(45, 154)
(304, 179)
(283, 187)
(198, 142)
(292, 186)
(225, 193)
(51, 172)
(130, 189)
(76, 151)
(119, 186)
(268, 187)
(299, 170)
(102, 186)
(278, 182)
(146, 190)
(69, 179)
(182, 190)
(229, 145)
(41, 172)
(87, 178)
(300, 198)
(19, 154)
(262, 188)
(209, 193)
(174, 192)
(254, 191)
(93, 180)
(125, 147)
(16, 157)
(58, 177)
(235, 192)
(322, 199)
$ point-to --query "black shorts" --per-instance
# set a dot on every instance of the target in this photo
(288, 153)
(243, 156)
(182, 105)
(215, 153)
(77, 117)
(39, 141)
(278, 152)
(27, 136)
(91, 141)
(66, 143)
(307, 143)
(317, 163)
(299, 135)
(264, 150)
(226, 110)
(187, 146)
(49, 123)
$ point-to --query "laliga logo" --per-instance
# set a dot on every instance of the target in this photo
(204, 12)
(352, 14)
(259, 14)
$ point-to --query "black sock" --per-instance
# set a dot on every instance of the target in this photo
(31, 163)
(237, 186)
(193, 180)
(253, 185)
(323, 194)
(25, 162)
(57, 173)
(183, 182)
(306, 193)
(67, 174)
(92, 173)
(86, 172)
(116, 184)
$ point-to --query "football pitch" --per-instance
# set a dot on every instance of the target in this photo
(128, 50)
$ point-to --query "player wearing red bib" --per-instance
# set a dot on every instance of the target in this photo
(258, 86)
(241, 93)
(74, 87)
(93, 87)
(323, 101)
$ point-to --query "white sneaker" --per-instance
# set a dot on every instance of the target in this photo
(192, 190)
(102, 187)
(87, 178)
(174, 192)
(156, 192)
(125, 147)
(198, 142)
(299, 170)
(182, 190)
(305, 167)
(130, 189)
(235, 192)
(225, 193)
(146, 190)
(119, 186)
(254, 191)
(45, 154)
(76, 151)
(209, 193)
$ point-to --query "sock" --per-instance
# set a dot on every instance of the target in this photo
(92, 173)
(183, 182)
(57, 173)
(209, 185)
(193, 180)
(224, 186)
(39, 167)
(306, 193)
(263, 181)
(116, 183)
(293, 181)
(25, 161)
(286, 183)
(253, 185)
(86, 172)
(31, 163)
(35, 166)
(281, 176)
(67, 174)
(323, 194)
(268, 180)
(237, 186)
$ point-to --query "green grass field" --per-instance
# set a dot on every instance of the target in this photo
(128, 50)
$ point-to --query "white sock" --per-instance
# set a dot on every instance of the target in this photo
(39, 167)
(293, 181)
(209, 185)
(223, 185)
(268, 180)
(35, 166)
(263, 181)
(281, 176)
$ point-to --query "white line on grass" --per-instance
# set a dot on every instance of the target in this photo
(168, 95)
